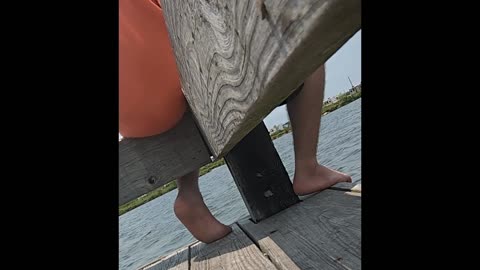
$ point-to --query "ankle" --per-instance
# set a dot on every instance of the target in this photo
(306, 167)
(184, 202)
(188, 192)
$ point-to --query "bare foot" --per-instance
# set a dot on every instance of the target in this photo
(316, 178)
(195, 216)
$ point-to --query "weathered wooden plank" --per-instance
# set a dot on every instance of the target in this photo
(148, 163)
(260, 175)
(347, 187)
(350, 189)
(236, 64)
(357, 188)
(354, 193)
(175, 261)
(322, 232)
(235, 251)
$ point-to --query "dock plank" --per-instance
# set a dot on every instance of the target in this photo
(348, 187)
(235, 251)
(357, 188)
(322, 232)
(175, 261)
(148, 163)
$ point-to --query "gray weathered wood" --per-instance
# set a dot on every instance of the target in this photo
(236, 64)
(175, 261)
(260, 175)
(347, 187)
(235, 251)
(357, 188)
(322, 232)
(148, 163)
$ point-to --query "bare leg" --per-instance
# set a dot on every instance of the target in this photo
(194, 214)
(305, 112)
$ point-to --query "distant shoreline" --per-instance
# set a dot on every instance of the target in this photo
(164, 189)
(341, 100)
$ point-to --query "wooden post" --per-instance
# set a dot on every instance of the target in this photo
(260, 175)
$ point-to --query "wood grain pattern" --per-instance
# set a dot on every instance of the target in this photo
(148, 163)
(235, 251)
(322, 232)
(238, 59)
(179, 260)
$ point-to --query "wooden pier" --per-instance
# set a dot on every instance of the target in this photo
(239, 59)
(321, 232)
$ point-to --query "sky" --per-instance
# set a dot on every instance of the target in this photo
(346, 62)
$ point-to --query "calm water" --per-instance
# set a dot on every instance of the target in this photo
(152, 230)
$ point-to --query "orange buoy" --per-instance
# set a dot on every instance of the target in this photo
(150, 96)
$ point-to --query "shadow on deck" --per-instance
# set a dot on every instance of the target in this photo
(321, 232)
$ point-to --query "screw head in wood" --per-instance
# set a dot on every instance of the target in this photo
(152, 179)
(268, 193)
